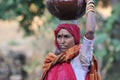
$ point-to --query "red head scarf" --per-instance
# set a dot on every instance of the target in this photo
(72, 28)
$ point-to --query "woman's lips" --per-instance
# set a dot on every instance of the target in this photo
(62, 47)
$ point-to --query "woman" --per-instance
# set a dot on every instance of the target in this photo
(72, 61)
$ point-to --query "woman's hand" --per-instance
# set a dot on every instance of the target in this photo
(49, 58)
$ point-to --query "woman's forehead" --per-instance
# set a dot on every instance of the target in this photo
(64, 31)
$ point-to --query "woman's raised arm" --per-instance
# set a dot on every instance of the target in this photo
(90, 19)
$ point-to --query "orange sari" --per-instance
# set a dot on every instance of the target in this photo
(59, 67)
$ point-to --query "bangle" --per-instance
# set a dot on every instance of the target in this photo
(90, 5)
(89, 35)
(90, 10)
(90, 1)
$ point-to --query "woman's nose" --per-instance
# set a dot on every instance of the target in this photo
(63, 40)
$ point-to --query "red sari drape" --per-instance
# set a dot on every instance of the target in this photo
(61, 71)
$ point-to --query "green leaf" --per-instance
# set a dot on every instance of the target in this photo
(101, 38)
(100, 53)
(116, 44)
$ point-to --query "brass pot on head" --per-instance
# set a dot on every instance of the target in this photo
(66, 9)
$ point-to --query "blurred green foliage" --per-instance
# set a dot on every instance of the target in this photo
(106, 35)
(108, 44)
(10, 9)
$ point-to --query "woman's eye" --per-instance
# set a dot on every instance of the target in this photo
(59, 36)
(67, 36)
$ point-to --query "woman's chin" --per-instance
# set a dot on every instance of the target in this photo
(63, 50)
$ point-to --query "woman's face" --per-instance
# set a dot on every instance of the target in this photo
(65, 40)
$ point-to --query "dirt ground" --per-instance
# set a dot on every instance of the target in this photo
(11, 38)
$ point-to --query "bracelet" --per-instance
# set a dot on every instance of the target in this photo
(89, 35)
(90, 5)
(90, 1)
(90, 10)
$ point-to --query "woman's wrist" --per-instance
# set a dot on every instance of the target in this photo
(90, 7)
(89, 35)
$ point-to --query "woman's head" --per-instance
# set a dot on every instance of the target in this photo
(66, 36)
